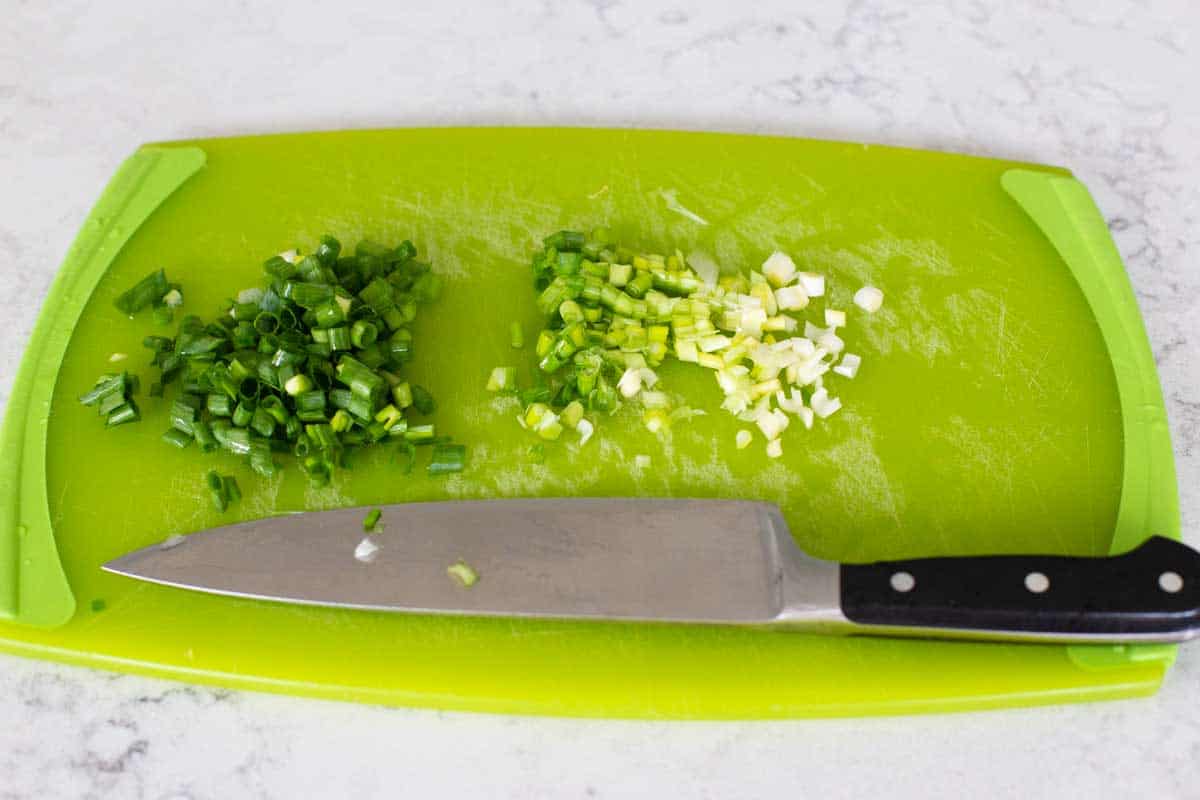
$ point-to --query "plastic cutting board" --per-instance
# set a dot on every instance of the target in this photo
(1007, 402)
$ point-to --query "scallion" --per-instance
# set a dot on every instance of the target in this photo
(148, 291)
(447, 458)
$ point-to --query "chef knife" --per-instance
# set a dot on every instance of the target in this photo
(674, 560)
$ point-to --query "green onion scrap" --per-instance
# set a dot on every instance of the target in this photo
(464, 573)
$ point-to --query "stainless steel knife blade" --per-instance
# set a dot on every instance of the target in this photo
(637, 559)
(675, 560)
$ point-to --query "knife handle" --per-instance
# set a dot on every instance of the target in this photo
(1151, 593)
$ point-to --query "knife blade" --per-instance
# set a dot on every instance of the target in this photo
(726, 562)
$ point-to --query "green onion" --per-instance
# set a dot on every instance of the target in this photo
(148, 291)
(163, 315)
(402, 395)
(371, 520)
(307, 295)
(310, 406)
(126, 412)
(422, 400)
(219, 405)
(242, 414)
(447, 458)
(298, 385)
(516, 336)
(502, 379)
(363, 333)
(182, 416)
(419, 434)
(260, 458)
(463, 573)
(177, 438)
(113, 397)
(204, 436)
(305, 362)
(327, 251)
(262, 422)
(223, 489)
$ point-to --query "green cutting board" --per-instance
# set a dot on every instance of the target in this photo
(1007, 403)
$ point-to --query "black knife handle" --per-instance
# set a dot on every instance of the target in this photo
(1152, 592)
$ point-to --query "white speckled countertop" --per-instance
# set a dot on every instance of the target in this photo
(1108, 93)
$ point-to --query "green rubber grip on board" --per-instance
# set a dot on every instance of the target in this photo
(33, 587)
(1149, 504)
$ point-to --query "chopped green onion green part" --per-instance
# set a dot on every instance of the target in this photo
(447, 458)
(463, 573)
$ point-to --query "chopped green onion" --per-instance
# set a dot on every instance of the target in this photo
(298, 385)
(260, 458)
(262, 422)
(223, 489)
(447, 458)
(371, 520)
(274, 371)
(419, 434)
(402, 395)
(341, 421)
(242, 414)
(204, 436)
(502, 379)
(363, 333)
(516, 336)
(148, 291)
(422, 400)
(463, 573)
(182, 416)
(177, 438)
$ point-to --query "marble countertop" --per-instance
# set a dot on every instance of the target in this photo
(1108, 93)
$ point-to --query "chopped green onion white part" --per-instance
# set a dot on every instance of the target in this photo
(502, 379)
(290, 256)
(779, 269)
(173, 298)
(848, 366)
(835, 318)
(743, 439)
(705, 267)
(252, 295)
(831, 342)
(791, 298)
(586, 429)
(115, 357)
(813, 283)
(367, 550)
(822, 404)
(463, 573)
(630, 383)
(774, 448)
(869, 299)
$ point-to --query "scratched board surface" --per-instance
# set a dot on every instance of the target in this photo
(984, 418)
